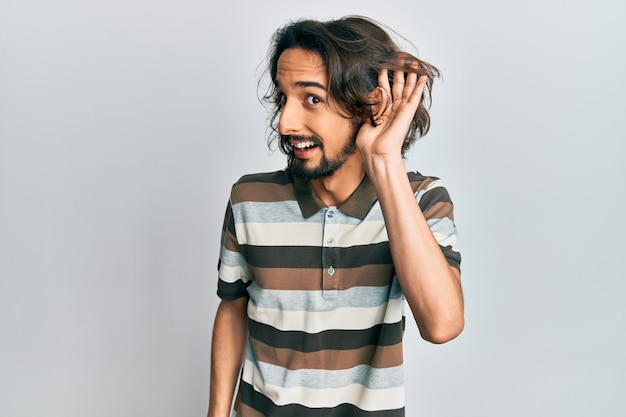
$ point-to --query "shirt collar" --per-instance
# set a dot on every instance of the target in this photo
(357, 205)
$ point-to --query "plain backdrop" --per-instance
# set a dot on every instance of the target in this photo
(123, 125)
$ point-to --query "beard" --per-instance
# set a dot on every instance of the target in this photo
(327, 166)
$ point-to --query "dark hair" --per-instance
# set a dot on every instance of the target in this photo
(354, 50)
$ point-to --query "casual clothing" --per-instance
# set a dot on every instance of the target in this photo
(326, 312)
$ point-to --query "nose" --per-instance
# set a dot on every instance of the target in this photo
(289, 121)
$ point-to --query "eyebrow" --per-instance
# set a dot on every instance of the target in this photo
(304, 84)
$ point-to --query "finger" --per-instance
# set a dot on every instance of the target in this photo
(416, 95)
(411, 77)
(398, 84)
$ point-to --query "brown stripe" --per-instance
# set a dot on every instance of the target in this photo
(420, 182)
(230, 242)
(439, 211)
(375, 356)
(276, 177)
(262, 192)
(434, 196)
(305, 279)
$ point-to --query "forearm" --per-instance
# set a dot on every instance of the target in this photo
(229, 339)
(432, 287)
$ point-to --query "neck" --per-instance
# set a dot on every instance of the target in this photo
(337, 188)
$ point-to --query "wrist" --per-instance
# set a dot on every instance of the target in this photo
(385, 167)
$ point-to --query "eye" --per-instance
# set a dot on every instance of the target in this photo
(313, 100)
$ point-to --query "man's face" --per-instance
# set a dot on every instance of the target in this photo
(322, 139)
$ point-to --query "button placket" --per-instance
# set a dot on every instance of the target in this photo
(329, 239)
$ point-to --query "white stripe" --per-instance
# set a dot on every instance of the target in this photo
(445, 240)
(342, 318)
(231, 274)
(434, 184)
(309, 234)
(365, 399)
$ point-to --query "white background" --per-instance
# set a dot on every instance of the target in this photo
(123, 125)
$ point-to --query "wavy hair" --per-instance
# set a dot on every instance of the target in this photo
(354, 50)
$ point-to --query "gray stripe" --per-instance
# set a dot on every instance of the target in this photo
(287, 212)
(445, 226)
(233, 259)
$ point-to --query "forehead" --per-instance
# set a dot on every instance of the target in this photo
(297, 65)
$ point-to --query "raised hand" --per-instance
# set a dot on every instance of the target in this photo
(395, 107)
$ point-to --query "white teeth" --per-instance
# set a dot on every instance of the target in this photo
(303, 145)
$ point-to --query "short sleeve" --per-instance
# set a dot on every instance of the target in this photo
(435, 203)
(233, 273)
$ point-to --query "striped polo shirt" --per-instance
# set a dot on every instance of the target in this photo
(326, 312)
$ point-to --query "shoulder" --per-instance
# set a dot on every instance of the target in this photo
(263, 187)
(281, 177)
(423, 183)
(428, 190)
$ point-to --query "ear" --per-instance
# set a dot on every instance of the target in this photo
(380, 100)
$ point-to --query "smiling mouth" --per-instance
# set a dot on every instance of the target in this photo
(304, 146)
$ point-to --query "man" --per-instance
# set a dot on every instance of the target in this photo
(317, 260)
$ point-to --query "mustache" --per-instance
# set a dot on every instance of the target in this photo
(286, 140)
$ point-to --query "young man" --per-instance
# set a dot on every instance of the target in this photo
(317, 260)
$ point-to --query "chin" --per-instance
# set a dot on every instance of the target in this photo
(325, 168)
(308, 174)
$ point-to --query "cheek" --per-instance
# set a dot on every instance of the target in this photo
(330, 126)
(338, 125)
